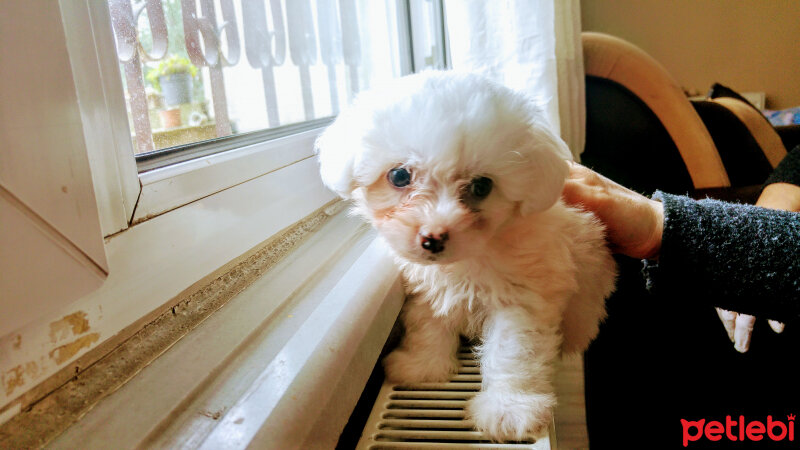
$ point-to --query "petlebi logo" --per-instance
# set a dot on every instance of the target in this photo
(738, 429)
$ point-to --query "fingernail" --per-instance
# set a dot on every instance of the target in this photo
(776, 326)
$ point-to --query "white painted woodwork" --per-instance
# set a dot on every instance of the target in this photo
(44, 167)
(172, 186)
(39, 268)
(154, 261)
(90, 42)
(280, 366)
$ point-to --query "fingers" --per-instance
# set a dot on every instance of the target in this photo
(634, 223)
(728, 319)
(776, 326)
(743, 332)
(584, 175)
(740, 328)
(582, 189)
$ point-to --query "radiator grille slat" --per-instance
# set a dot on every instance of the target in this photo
(432, 415)
(427, 404)
(428, 435)
(440, 387)
(424, 414)
(419, 423)
(422, 395)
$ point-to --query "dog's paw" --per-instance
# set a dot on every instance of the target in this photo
(511, 416)
(402, 366)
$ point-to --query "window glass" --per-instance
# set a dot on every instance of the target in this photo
(195, 70)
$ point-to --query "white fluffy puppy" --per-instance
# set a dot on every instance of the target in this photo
(463, 179)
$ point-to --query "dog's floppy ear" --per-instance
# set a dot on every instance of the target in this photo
(337, 149)
(539, 171)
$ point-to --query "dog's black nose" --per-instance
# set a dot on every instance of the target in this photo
(434, 243)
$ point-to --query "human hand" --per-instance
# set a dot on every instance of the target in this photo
(634, 223)
(740, 326)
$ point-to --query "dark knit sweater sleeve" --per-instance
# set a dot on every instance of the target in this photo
(738, 257)
(788, 170)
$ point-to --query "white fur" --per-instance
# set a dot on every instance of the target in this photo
(521, 271)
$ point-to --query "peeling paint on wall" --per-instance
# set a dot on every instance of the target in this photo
(77, 323)
(67, 337)
(64, 352)
(15, 377)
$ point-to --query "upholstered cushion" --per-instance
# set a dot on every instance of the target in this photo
(744, 159)
(758, 125)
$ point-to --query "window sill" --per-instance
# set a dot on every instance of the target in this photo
(153, 265)
(280, 366)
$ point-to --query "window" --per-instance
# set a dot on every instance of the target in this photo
(203, 204)
(196, 71)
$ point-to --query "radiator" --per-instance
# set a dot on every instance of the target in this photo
(432, 415)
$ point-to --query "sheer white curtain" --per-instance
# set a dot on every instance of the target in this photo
(530, 45)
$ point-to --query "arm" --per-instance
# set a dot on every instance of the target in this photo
(739, 327)
(788, 171)
(783, 196)
(743, 257)
(781, 192)
(745, 252)
(782, 188)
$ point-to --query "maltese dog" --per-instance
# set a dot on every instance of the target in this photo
(463, 179)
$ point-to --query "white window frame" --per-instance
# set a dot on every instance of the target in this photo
(232, 201)
(151, 193)
(127, 197)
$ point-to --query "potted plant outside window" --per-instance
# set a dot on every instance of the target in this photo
(173, 78)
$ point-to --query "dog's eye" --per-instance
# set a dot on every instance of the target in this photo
(399, 177)
(480, 187)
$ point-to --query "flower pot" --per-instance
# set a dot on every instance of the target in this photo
(170, 118)
(176, 88)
